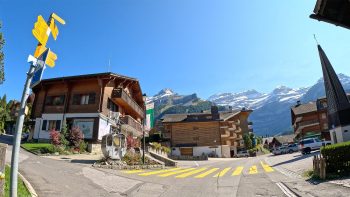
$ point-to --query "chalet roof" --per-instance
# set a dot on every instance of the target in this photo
(334, 12)
(304, 108)
(89, 76)
(183, 117)
(285, 138)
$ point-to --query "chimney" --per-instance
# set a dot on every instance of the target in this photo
(298, 103)
(215, 112)
(230, 108)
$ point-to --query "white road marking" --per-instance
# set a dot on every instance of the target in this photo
(285, 190)
(196, 163)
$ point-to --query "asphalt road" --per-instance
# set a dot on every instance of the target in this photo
(247, 177)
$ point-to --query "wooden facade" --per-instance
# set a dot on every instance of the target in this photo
(207, 130)
(310, 120)
(89, 97)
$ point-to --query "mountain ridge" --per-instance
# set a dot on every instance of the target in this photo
(271, 111)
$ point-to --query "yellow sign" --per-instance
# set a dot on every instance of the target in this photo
(39, 50)
(51, 58)
(41, 30)
(58, 19)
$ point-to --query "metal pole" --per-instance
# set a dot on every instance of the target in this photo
(18, 133)
(144, 145)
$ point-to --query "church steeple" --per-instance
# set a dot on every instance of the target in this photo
(337, 101)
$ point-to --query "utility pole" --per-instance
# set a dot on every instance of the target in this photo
(42, 56)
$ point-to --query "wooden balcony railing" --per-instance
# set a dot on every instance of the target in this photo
(129, 123)
(123, 99)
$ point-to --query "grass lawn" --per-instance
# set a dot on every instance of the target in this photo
(21, 188)
(40, 148)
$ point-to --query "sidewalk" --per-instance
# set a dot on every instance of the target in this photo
(296, 164)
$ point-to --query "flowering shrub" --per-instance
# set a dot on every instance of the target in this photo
(76, 136)
(55, 137)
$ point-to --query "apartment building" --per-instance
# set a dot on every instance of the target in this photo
(91, 102)
(214, 133)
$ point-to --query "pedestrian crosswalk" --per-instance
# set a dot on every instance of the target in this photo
(204, 171)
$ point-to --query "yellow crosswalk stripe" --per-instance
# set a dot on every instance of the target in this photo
(159, 171)
(222, 173)
(253, 170)
(238, 171)
(190, 173)
(206, 173)
(132, 171)
(266, 167)
(176, 172)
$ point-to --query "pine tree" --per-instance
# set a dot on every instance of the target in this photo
(2, 69)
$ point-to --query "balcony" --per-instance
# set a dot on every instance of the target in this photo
(233, 136)
(129, 124)
(224, 133)
(128, 103)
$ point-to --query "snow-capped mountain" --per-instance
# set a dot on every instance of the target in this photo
(253, 99)
(271, 113)
(166, 92)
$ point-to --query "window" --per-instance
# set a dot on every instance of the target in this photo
(49, 125)
(55, 100)
(86, 126)
(323, 115)
(112, 106)
(84, 99)
(44, 126)
(325, 126)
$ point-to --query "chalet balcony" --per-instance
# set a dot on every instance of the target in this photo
(224, 133)
(233, 136)
(129, 124)
(123, 99)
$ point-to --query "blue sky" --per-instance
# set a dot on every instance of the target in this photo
(201, 46)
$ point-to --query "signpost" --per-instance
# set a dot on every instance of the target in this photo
(42, 56)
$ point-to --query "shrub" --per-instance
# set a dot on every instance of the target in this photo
(64, 135)
(82, 146)
(76, 137)
(156, 146)
(337, 158)
(165, 149)
(55, 137)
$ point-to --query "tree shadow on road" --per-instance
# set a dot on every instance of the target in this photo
(83, 161)
(297, 158)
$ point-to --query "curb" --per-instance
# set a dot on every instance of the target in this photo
(29, 186)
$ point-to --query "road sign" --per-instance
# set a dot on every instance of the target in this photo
(38, 74)
(51, 58)
(41, 30)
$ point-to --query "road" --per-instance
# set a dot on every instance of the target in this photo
(217, 177)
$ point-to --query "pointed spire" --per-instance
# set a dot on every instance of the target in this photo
(336, 97)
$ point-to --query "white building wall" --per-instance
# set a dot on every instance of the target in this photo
(104, 127)
(199, 150)
(342, 134)
(43, 134)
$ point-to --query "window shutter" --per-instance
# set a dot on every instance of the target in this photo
(58, 125)
(109, 104)
(92, 97)
(44, 125)
(76, 99)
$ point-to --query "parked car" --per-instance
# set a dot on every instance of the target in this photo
(309, 144)
(242, 153)
(291, 148)
(280, 150)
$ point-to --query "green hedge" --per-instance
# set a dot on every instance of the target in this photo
(337, 158)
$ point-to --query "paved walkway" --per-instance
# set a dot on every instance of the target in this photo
(51, 177)
(296, 164)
